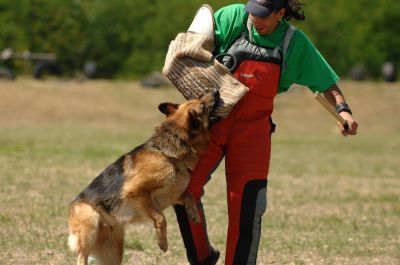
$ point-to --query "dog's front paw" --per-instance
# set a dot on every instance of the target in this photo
(163, 244)
(190, 207)
(192, 213)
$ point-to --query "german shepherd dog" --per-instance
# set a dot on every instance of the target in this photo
(141, 184)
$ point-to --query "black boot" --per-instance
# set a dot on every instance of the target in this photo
(212, 259)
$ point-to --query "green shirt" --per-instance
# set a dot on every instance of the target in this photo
(305, 65)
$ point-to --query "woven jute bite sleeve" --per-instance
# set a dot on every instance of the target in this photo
(190, 66)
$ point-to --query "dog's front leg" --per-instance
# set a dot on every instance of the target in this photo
(158, 218)
(160, 223)
(190, 206)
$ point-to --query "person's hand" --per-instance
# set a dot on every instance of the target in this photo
(353, 125)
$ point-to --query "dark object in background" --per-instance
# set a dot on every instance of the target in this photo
(90, 69)
(42, 68)
(358, 73)
(44, 62)
(7, 73)
(154, 80)
(389, 71)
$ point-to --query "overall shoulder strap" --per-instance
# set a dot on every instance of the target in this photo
(249, 26)
(286, 42)
(288, 37)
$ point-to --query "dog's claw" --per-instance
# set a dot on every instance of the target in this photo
(195, 219)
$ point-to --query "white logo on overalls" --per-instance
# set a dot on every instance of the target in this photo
(251, 75)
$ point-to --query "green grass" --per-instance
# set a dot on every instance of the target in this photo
(332, 200)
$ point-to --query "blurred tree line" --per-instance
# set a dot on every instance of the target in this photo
(129, 38)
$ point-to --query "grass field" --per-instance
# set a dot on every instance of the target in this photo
(332, 200)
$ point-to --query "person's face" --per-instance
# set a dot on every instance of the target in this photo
(267, 25)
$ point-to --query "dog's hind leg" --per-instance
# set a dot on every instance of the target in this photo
(109, 248)
(83, 230)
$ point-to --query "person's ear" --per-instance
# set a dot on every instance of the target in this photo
(281, 12)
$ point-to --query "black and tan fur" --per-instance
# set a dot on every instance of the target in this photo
(141, 184)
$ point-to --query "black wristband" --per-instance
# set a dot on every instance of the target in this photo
(343, 107)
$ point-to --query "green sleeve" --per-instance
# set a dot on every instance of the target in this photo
(229, 24)
(306, 66)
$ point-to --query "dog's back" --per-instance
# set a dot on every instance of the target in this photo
(104, 192)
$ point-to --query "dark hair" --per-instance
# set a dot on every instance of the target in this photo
(293, 10)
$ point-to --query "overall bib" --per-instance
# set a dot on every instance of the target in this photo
(244, 139)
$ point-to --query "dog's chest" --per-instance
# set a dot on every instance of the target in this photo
(173, 188)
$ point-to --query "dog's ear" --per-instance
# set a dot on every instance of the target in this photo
(194, 119)
(168, 108)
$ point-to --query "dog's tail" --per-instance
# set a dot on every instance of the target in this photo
(83, 227)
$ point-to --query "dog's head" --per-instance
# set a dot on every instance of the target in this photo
(193, 116)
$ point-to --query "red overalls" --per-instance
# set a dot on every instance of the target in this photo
(244, 139)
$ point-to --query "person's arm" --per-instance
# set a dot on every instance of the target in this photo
(335, 97)
(309, 68)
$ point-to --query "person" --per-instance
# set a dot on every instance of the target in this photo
(270, 56)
